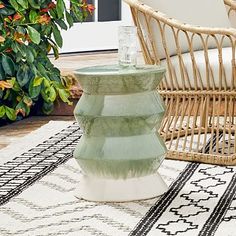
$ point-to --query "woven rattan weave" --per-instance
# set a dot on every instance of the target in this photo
(200, 113)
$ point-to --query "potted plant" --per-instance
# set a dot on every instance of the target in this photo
(29, 30)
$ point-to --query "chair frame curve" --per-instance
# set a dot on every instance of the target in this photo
(202, 119)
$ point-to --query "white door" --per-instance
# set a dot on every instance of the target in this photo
(101, 30)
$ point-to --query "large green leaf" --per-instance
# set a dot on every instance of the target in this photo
(25, 110)
(55, 51)
(29, 56)
(37, 81)
(2, 73)
(62, 24)
(57, 36)
(11, 114)
(34, 91)
(2, 111)
(33, 16)
(53, 13)
(35, 3)
(52, 94)
(7, 11)
(69, 19)
(18, 57)
(15, 47)
(60, 7)
(64, 95)
(27, 100)
(8, 65)
(42, 70)
(7, 93)
(16, 86)
(22, 49)
(49, 94)
(47, 107)
(14, 4)
(23, 75)
(23, 3)
(34, 34)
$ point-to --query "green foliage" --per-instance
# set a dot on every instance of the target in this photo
(29, 29)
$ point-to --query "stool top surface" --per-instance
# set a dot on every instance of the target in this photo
(118, 70)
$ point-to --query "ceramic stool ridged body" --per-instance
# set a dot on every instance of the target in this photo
(120, 150)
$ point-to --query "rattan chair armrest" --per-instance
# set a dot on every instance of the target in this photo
(136, 4)
(194, 99)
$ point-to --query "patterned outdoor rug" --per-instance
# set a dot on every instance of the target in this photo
(38, 177)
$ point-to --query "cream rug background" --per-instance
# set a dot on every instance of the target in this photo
(38, 178)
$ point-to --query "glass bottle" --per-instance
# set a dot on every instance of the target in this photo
(127, 50)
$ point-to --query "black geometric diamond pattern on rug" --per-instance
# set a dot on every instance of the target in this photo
(199, 195)
(175, 227)
(216, 170)
(191, 209)
(208, 182)
(182, 213)
(156, 211)
(221, 209)
(24, 170)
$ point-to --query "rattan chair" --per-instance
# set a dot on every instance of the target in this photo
(200, 120)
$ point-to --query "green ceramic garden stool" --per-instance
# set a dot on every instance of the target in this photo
(120, 150)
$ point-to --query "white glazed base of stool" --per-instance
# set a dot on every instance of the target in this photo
(109, 190)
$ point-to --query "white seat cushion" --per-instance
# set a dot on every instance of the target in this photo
(201, 73)
(205, 13)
